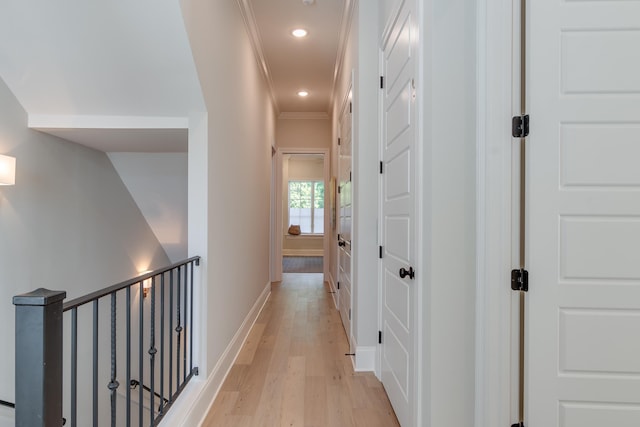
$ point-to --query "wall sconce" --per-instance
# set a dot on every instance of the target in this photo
(7, 170)
(146, 284)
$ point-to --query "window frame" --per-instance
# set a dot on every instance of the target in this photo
(313, 183)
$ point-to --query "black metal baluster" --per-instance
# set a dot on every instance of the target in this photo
(171, 335)
(141, 358)
(161, 408)
(152, 349)
(185, 333)
(178, 329)
(128, 382)
(191, 322)
(74, 367)
(95, 363)
(184, 329)
(113, 384)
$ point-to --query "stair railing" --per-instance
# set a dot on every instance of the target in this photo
(164, 351)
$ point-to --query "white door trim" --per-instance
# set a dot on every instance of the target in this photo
(279, 232)
(494, 367)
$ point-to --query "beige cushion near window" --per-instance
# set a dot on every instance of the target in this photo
(294, 230)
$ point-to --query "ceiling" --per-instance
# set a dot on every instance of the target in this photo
(307, 63)
(134, 60)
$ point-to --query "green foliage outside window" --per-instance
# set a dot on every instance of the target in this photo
(306, 205)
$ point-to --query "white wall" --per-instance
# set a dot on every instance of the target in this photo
(303, 131)
(362, 59)
(304, 167)
(446, 92)
(158, 184)
(240, 128)
(69, 223)
(366, 176)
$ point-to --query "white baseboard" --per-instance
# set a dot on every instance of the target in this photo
(199, 395)
(365, 359)
(303, 252)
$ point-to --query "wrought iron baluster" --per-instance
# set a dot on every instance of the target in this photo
(185, 333)
(171, 335)
(181, 314)
(113, 384)
(74, 367)
(152, 348)
(191, 322)
(161, 408)
(178, 329)
(128, 416)
(95, 363)
(141, 358)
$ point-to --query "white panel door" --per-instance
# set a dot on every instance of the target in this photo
(583, 349)
(344, 240)
(398, 214)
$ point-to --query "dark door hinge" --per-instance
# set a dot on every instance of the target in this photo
(381, 167)
(351, 107)
(380, 252)
(339, 140)
(381, 82)
(379, 337)
(338, 285)
(520, 280)
(339, 189)
(520, 126)
(350, 177)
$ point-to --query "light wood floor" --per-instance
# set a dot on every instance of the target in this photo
(292, 370)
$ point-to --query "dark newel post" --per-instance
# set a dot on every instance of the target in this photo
(39, 358)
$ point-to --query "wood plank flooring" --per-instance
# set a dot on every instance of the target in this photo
(292, 370)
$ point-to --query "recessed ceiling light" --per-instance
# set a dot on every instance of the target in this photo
(303, 93)
(299, 32)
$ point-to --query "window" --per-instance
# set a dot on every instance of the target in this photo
(306, 206)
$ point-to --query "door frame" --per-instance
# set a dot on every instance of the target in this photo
(279, 197)
(496, 369)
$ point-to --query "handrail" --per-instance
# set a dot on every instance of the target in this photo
(9, 404)
(77, 302)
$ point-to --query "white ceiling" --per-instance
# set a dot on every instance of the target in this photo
(76, 58)
(307, 63)
(120, 140)
(115, 57)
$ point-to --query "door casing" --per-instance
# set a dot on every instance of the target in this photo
(497, 310)
(279, 197)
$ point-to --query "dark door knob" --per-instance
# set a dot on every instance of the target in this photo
(404, 273)
(342, 243)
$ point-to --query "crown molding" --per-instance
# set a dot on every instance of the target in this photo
(256, 43)
(345, 30)
(303, 116)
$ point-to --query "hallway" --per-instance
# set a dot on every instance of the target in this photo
(292, 370)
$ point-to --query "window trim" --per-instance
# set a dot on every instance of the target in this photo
(313, 199)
